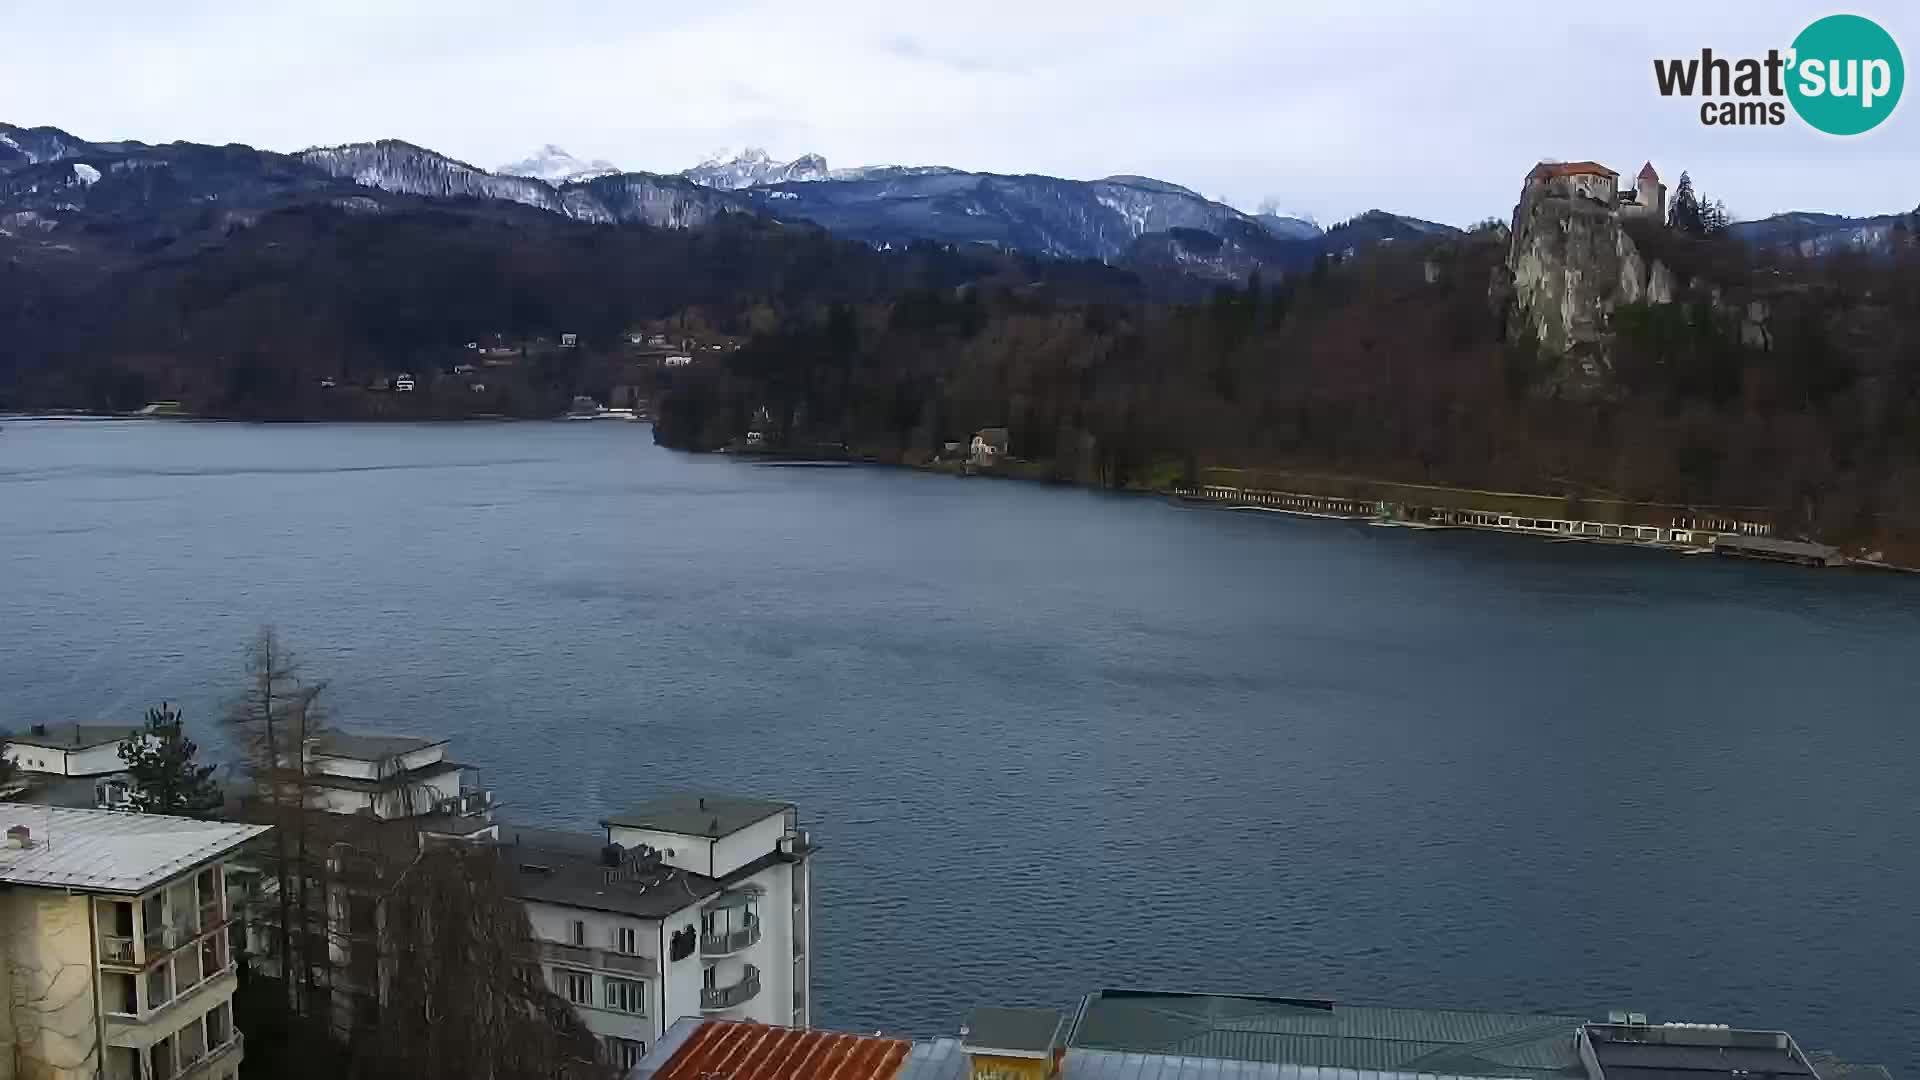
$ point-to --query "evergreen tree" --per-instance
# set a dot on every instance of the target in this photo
(1683, 213)
(166, 779)
(1713, 217)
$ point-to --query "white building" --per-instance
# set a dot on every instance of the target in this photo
(113, 946)
(685, 906)
(388, 777)
(71, 749)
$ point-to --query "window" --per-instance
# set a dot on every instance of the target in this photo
(577, 932)
(159, 986)
(577, 987)
(627, 996)
(219, 1024)
(626, 940)
(624, 1054)
(710, 978)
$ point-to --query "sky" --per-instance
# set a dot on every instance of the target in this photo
(1321, 109)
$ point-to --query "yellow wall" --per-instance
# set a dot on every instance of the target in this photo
(989, 1067)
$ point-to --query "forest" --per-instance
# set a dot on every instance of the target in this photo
(1393, 362)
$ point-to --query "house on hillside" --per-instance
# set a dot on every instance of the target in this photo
(989, 445)
(569, 341)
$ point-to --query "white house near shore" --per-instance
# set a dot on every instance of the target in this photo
(71, 749)
(113, 946)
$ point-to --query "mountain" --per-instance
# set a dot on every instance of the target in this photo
(1289, 228)
(555, 166)
(393, 165)
(1818, 235)
(1380, 227)
(752, 167)
(20, 147)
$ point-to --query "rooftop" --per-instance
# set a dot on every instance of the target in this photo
(74, 736)
(696, 1049)
(343, 744)
(566, 868)
(1548, 169)
(693, 1049)
(389, 782)
(109, 850)
(1312, 1032)
(698, 815)
(1691, 1052)
(1029, 1032)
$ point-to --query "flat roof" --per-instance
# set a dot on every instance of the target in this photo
(1693, 1052)
(1317, 1032)
(75, 736)
(1021, 1031)
(112, 851)
(711, 816)
(388, 782)
(565, 868)
(345, 744)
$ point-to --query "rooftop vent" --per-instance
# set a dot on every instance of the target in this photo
(19, 836)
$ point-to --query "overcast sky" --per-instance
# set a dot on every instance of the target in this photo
(1429, 109)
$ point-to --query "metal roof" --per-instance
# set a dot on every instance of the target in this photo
(110, 851)
(694, 1049)
(1311, 1032)
(698, 815)
(565, 868)
(1019, 1031)
(75, 736)
(342, 744)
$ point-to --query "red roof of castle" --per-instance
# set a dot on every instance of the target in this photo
(1647, 173)
(1547, 169)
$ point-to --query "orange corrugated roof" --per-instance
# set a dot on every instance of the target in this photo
(1569, 168)
(743, 1050)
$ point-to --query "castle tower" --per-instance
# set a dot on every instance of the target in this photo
(1651, 192)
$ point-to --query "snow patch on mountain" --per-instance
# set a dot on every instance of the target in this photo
(85, 175)
(753, 167)
(392, 165)
(555, 166)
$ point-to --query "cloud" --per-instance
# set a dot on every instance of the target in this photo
(1328, 108)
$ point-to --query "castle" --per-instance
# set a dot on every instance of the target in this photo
(1590, 179)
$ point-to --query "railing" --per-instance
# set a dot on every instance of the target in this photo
(730, 941)
(116, 949)
(212, 1056)
(601, 959)
(726, 997)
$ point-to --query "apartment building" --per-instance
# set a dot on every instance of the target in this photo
(113, 946)
(683, 906)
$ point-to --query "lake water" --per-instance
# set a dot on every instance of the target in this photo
(1053, 740)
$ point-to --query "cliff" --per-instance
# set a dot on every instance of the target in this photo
(1571, 263)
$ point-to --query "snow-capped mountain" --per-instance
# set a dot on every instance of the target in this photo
(752, 167)
(392, 165)
(1818, 235)
(556, 166)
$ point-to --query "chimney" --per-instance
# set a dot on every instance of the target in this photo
(1014, 1044)
(19, 836)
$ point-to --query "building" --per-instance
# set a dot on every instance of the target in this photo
(989, 445)
(403, 384)
(390, 777)
(1369, 1044)
(382, 797)
(683, 906)
(569, 341)
(115, 954)
(1592, 180)
(71, 749)
(1300, 1031)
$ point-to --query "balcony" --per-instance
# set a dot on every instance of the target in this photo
(117, 949)
(599, 959)
(728, 942)
(211, 1058)
(716, 998)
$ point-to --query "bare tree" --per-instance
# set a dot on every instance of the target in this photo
(275, 718)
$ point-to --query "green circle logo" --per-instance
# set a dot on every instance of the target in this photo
(1846, 75)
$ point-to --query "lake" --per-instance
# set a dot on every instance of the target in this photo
(1052, 740)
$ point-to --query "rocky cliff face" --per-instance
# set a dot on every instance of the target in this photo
(1571, 263)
